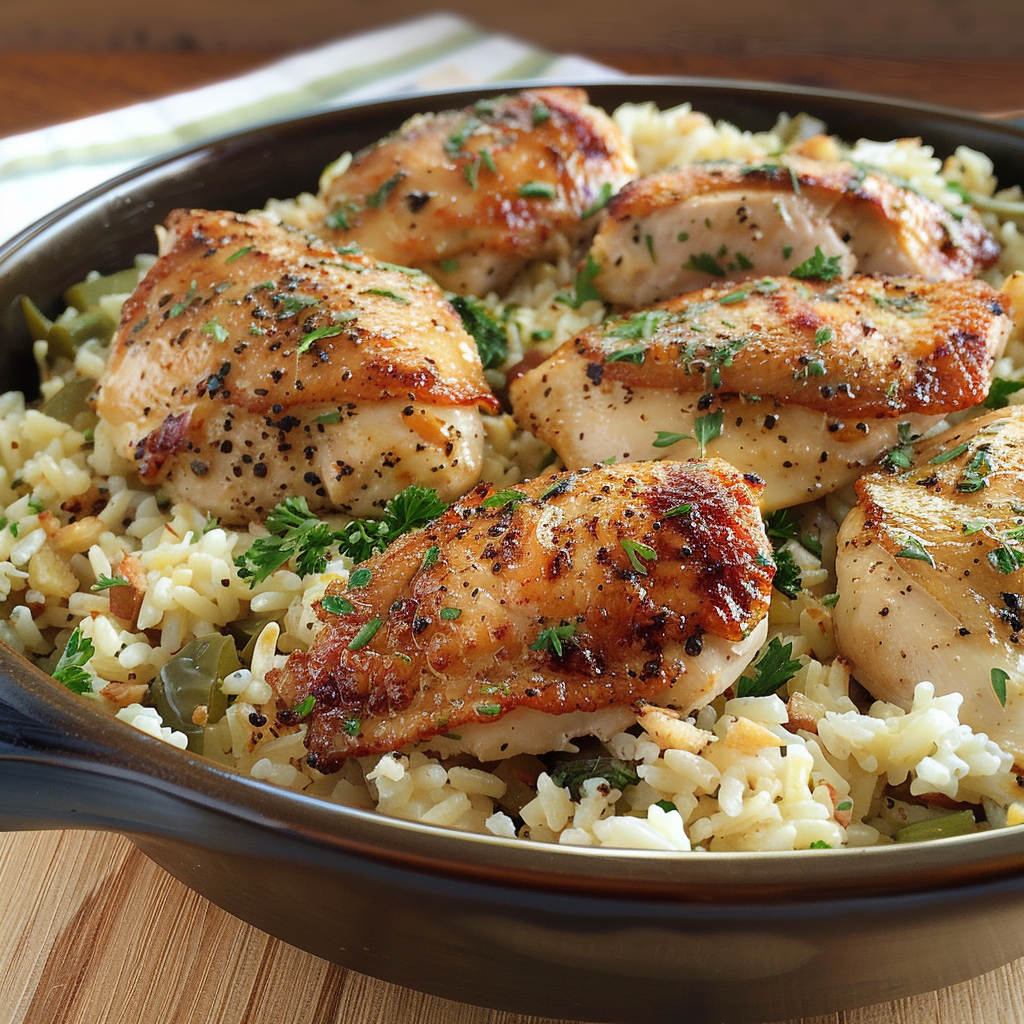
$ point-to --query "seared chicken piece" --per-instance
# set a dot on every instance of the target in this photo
(804, 384)
(251, 364)
(521, 619)
(685, 229)
(931, 576)
(470, 196)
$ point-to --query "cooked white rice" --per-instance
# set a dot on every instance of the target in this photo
(734, 777)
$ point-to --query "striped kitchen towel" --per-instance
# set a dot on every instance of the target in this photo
(43, 169)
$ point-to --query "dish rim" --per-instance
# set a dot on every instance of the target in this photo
(105, 747)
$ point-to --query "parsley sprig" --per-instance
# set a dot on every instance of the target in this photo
(775, 667)
(554, 638)
(408, 510)
(70, 670)
(296, 534)
(299, 536)
(817, 267)
(484, 327)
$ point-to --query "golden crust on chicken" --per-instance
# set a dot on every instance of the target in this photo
(470, 196)
(808, 380)
(253, 363)
(685, 229)
(576, 594)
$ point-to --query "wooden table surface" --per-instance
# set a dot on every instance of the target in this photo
(91, 932)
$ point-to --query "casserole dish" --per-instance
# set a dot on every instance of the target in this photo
(594, 934)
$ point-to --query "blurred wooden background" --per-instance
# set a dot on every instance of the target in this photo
(959, 29)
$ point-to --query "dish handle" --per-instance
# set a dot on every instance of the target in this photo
(53, 775)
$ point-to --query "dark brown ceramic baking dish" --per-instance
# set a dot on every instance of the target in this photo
(598, 935)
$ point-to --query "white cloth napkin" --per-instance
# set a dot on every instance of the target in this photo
(41, 170)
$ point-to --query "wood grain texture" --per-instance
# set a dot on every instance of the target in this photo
(95, 933)
(45, 87)
(930, 28)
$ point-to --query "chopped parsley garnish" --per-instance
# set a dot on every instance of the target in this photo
(572, 774)
(822, 336)
(638, 326)
(975, 475)
(342, 215)
(583, 286)
(359, 578)
(454, 143)
(70, 671)
(677, 510)
(1006, 559)
(450, 614)
(999, 681)
(292, 304)
(630, 354)
(471, 172)
(387, 294)
(909, 304)
(788, 579)
(36, 506)
(295, 535)
(377, 199)
(706, 429)
(502, 498)
(666, 438)
(914, 547)
(553, 638)
(409, 509)
(179, 307)
(304, 707)
(637, 550)
(337, 605)
(999, 393)
(813, 544)
(705, 263)
(541, 113)
(430, 557)
(537, 190)
(104, 582)
(780, 526)
(817, 267)
(329, 331)
(949, 456)
(898, 457)
(489, 334)
(775, 667)
(600, 201)
(716, 358)
(366, 634)
(328, 417)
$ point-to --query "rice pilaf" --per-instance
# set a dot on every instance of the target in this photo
(814, 764)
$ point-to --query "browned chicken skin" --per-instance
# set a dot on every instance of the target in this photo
(252, 363)
(470, 196)
(685, 229)
(810, 379)
(629, 572)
